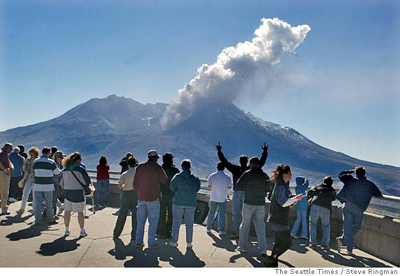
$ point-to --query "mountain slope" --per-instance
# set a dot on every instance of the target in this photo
(115, 125)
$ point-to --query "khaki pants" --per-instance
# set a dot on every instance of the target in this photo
(4, 188)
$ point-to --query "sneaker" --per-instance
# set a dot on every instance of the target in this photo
(37, 224)
(304, 237)
(83, 233)
(312, 246)
(294, 237)
(139, 245)
(234, 236)
(4, 212)
(67, 233)
(241, 250)
(326, 247)
(116, 213)
(12, 200)
(222, 233)
(173, 244)
(20, 211)
(60, 210)
(53, 222)
(189, 245)
(264, 254)
(153, 246)
(271, 262)
(208, 231)
(350, 252)
(338, 244)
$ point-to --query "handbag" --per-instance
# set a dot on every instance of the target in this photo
(87, 188)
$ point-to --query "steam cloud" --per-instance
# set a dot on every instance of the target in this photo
(235, 68)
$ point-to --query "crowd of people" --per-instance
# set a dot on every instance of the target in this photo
(163, 195)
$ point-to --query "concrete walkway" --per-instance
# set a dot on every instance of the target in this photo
(24, 245)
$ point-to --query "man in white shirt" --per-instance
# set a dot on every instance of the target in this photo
(219, 182)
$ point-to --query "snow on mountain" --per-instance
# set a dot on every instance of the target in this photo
(116, 125)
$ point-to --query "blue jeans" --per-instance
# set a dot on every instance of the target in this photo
(102, 186)
(318, 212)
(237, 201)
(301, 218)
(38, 198)
(221, 215)
(256, 214)
(177, 213)
(352, 219)
(150, 210)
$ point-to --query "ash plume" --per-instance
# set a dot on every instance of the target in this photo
(235, 68)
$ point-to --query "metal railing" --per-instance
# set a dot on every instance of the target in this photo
(387, 205)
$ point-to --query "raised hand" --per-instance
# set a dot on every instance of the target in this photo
(265, 147)
(219, 147)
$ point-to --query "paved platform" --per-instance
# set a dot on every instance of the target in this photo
(24, 245)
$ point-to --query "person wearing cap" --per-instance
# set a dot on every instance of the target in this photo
(16, 175)
(164, 228)
(320, 198)
(129, 200)
(6, 168)
(146, 183)
(28, 180)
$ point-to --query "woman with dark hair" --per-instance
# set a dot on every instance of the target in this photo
(279, 215)
(73, 177)
(103, 182)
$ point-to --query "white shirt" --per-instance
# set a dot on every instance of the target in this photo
(126, 179)
(219, 182)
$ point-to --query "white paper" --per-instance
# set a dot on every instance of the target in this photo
(290, 201)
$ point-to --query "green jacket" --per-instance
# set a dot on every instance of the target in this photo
(185, 187)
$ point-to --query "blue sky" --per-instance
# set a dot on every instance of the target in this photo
(343, 94)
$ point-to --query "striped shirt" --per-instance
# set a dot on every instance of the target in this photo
(44, 169)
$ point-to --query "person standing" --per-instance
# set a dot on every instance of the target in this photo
(320, 198)
(219, 182)
(256, 185)
(44, 168)
(146, 183)
(355, 195)
(164, 228)
(54, 149)
(124, 167)
(16, 175)
(22, 151)
(129, 200)
(6, 167)
(279, 215)
(29, 176)
(74, 176)
(301, 207)
(238, 190)
(103, 182)
(58, 158)
(185, 186)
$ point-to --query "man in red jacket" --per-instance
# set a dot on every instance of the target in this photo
(146, 183)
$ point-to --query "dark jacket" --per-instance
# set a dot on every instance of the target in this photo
(171, 171)
(358, 191)
(280, 194)
(321, 195)
(237, 171)
(185, 186)
(256, 185)
(124, 165)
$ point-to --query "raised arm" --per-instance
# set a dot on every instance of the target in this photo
(229, 166)
(345, 176)
(264, 155)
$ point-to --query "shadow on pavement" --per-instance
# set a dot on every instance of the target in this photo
(31, 232)
(10, 220)
(223, 242)
(355, 261)
(60, 245)
(151, 258)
